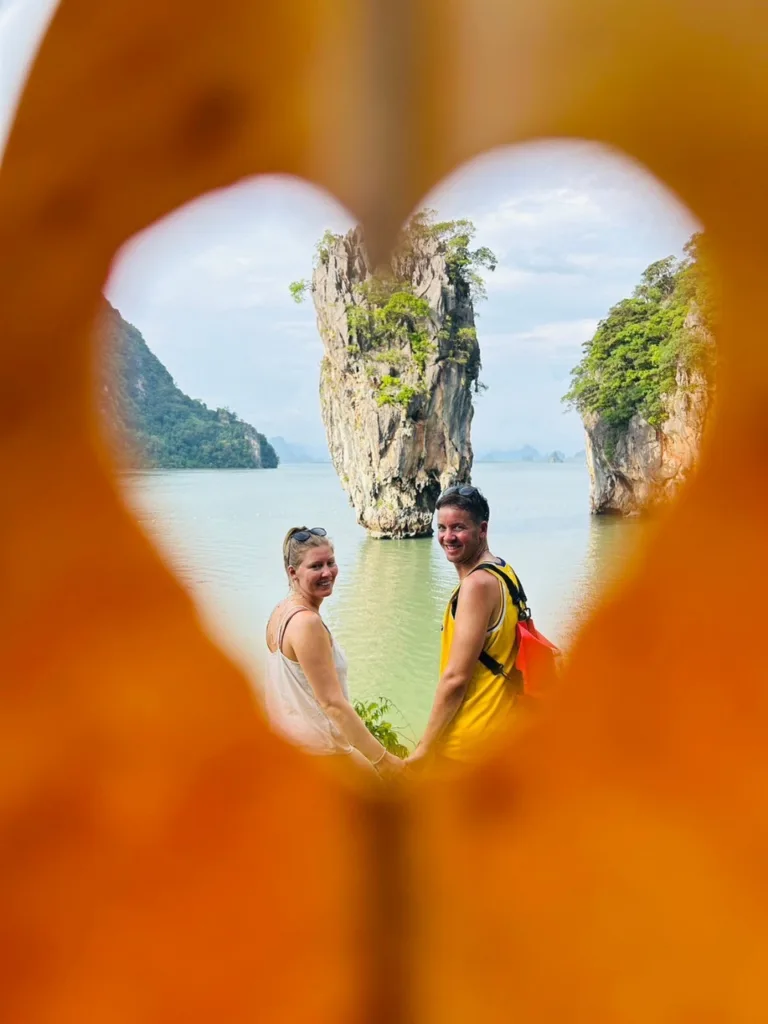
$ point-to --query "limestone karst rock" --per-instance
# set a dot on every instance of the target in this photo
(400, 366)
(645, 385)
(642, 465)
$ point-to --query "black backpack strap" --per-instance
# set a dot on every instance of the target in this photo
(514, 676)
(516, 591)
(490, 663)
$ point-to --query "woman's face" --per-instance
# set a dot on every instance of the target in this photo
(317, 572)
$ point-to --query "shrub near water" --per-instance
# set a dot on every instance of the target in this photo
(372, 713)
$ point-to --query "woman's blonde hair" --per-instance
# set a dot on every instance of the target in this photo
(294, 550)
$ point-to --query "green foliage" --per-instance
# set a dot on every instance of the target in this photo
(324, 246)
(404, 309)
(388, 323)
(394, 357)
(372, 713)
(454, 237)
(163, 427)
(360, 322)
(393, 392)
(298, 290)
(465, 344)
(401, 317)
(387, 319)
(421, 349)
(630, 364)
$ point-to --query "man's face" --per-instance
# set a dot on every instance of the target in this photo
(460, 537)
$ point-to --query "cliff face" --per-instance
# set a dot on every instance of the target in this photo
(644, 384)
(401, 359)
(635, 467)
(152, 423)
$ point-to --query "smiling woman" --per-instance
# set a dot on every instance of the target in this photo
(306, 696)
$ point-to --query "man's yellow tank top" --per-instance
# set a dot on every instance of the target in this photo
(490, 699)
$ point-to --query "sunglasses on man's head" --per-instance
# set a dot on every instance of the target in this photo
(466, 491)
(303, 535)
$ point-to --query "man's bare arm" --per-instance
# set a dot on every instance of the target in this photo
(478, 602)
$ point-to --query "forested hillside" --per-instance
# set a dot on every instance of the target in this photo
(155, 424)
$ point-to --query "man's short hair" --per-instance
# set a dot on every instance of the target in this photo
(468, 499)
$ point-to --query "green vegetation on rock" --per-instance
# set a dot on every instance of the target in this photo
(156, 424)
(630, 365)
(298, 290)
(392, 327)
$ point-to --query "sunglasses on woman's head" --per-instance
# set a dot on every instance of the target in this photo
(303, 535)
(466, 491)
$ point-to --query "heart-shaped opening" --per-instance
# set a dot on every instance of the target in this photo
(583, 242)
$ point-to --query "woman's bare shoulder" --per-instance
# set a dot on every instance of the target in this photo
(297, 618)
(306, 624)
(305, 632)
(275, 621)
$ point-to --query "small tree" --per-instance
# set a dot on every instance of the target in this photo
(298, 290)
(372, 713)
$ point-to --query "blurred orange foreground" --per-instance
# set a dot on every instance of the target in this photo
(164, 859)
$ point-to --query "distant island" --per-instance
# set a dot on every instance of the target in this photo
(299, 454)
(529, 454)
(154, 424)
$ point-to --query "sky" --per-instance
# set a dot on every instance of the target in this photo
(572, 223)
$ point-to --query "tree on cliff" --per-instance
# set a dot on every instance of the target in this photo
(389, 323)
(630, 365)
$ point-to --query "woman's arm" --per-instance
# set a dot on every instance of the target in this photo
(311, 644)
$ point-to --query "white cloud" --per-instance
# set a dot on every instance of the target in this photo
(542, 208)
(557, 337)
(515, 279)
(602, 261)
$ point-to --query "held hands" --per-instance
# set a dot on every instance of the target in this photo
(417, 760)
(390, 766)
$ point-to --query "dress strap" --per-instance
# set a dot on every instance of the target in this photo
(284, 624)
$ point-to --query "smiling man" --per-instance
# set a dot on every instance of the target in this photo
(479, 684)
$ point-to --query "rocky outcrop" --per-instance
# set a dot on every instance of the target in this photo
(644, 384)
(640, 465)
(401, 360)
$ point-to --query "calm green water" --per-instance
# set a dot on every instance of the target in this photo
(222, 530)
